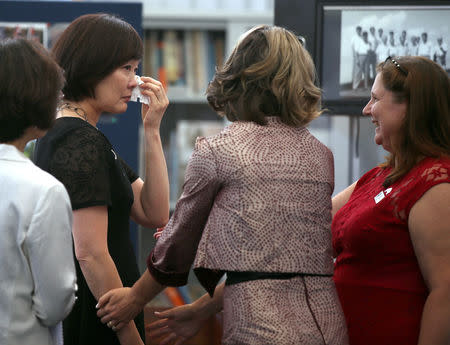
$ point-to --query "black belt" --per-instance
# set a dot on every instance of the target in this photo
(234, 277)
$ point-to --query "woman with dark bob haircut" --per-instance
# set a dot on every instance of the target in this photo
(100, 54)
(37, 271)
(31, 104)
(256, 205)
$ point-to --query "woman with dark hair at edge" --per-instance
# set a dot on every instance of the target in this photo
(37, 271)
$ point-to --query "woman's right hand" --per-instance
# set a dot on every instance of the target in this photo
(177, 325)
(152, 114)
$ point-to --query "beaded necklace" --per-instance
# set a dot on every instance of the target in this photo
(77, 110)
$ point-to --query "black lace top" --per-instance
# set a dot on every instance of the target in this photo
(82, 158)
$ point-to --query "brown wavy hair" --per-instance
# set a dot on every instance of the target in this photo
(269, 73)
(425, 132)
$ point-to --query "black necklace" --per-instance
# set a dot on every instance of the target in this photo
(77, 110)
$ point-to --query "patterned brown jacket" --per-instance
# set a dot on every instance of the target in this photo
(255, 198)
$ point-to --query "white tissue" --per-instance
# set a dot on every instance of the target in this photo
(136, 93)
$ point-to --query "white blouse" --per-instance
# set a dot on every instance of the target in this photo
(37, 272)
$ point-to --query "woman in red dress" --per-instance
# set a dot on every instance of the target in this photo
(391, 228)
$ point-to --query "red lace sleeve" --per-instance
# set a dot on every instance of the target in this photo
(429, 172)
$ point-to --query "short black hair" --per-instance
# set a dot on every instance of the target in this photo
(91, 48)
(30, 86)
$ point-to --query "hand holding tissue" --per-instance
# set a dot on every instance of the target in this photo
(136, 93)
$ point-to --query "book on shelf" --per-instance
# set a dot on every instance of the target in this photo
(171, 154)
(216, 51)
(199, 63)
(189, 61)
(150, 60)
(185, 61)
(173, 60)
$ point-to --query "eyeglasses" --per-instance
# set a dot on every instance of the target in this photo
(400, 68)
(302, 40)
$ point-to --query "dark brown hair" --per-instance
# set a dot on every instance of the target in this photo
(91, 48)
(269, 73)
(425, 132)
(30, 86)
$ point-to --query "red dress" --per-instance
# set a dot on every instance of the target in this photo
(377, 275)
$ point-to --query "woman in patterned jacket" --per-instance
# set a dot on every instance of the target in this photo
(256, 205)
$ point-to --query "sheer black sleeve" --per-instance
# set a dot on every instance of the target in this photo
(82, 162)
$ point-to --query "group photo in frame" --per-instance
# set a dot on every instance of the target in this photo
(363, 36)
(30, 31)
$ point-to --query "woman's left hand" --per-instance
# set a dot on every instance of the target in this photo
(153, 113)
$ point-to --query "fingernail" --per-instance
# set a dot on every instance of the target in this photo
(96, 306)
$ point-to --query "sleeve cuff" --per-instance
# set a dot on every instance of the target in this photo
(166, 278)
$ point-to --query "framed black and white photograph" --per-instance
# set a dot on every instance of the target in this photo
(360, 37)
(31, 31)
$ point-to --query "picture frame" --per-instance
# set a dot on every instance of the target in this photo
(31, 31)
(345, 78)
